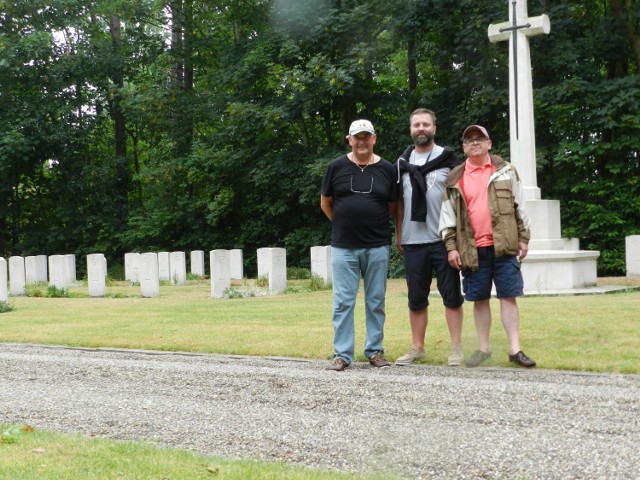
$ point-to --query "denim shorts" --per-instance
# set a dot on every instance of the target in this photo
(504, 272)
(420, 261)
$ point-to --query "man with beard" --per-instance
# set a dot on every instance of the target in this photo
(422, 170)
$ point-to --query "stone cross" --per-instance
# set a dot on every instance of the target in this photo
(521, 123)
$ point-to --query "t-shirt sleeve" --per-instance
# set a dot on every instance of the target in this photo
(327, 182)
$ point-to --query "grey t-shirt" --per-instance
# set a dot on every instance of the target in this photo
(419, 232)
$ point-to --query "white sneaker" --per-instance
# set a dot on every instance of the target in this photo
(411, 356)
(456, 357)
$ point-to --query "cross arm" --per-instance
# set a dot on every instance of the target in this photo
(500, 32)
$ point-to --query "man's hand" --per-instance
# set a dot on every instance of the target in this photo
(524, 249)
(454, 259)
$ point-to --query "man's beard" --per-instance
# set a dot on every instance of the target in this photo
(423, 139)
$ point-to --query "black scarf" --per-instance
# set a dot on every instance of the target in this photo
(448, 159)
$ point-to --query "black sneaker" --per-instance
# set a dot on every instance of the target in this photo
(521, 359)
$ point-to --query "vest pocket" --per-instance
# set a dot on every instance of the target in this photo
(505, 200)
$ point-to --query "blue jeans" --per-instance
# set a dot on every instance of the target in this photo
(348, 264)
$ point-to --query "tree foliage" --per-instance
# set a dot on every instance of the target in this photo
(172, 124)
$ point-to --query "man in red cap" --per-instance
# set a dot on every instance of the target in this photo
(486, 232)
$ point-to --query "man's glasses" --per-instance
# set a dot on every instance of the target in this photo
(474, 141)
(361, 184)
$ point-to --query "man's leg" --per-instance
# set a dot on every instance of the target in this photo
(419, 320)
(450, 291)
(375, 265)
(511, 320)
(454, 322)
(346, 281)
(482, 317)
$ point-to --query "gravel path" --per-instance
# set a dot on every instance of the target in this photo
(416, 422)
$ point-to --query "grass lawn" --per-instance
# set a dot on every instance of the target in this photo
(586, 332)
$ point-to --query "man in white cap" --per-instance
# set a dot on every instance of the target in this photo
(486, 232)
(359, 196)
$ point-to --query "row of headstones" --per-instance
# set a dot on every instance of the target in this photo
(143, 268)
(149, 269)
(58, 270)
(172, 266)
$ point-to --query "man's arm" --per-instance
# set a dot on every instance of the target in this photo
(393, 207)
(326, 204)
(399, 217)
(447, 227)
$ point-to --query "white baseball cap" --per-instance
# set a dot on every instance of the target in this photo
(360, 126)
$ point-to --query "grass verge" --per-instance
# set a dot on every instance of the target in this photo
(27, 454)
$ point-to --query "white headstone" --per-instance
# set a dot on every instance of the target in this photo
(30, 269)
(132, 267)
(4, 291)
(96, 274)
(263, 256)
(321, 263)
(272, 262)
(164, 266)
(41, 268)
(149, 275)
(632, 254)
(236, 264)
(70, 268)
(16, 276)
(197, 262)
(178, 264)
(219, 264)
(57, 271)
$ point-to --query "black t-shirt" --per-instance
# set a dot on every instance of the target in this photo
(360, 202)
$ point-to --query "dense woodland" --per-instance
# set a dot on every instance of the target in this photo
(141, 125)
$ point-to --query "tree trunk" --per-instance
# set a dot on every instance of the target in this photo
(411, 64)
(177, 21)
(624, 15)
(117, 75)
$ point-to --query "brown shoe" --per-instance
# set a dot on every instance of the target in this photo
(521, 359)
(378, 360)
(339, 364)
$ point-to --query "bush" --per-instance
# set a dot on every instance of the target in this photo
(298, 273)
(5, 307)
(317, 283)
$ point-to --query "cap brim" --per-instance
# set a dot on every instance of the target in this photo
(475, 128)
(355, 132)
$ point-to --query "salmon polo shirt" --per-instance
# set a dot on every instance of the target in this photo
(474, 185)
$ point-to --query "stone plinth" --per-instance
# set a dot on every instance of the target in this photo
(555, 263)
